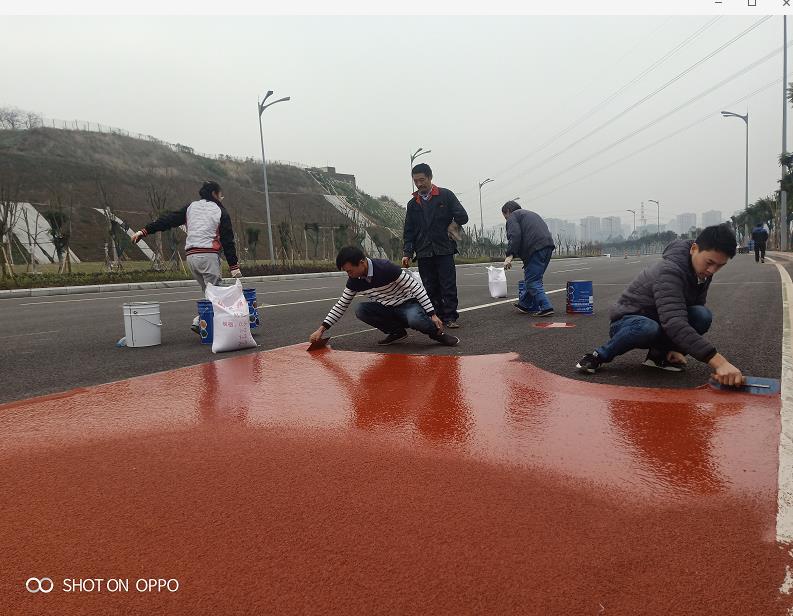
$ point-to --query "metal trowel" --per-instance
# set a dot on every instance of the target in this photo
(751, 385)
(319, 344)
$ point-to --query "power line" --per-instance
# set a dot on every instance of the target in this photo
(693, 99)
(607, 100)
(642, 100)
(775, 82)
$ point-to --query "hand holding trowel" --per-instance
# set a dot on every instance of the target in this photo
(317, 341)
(750, 385)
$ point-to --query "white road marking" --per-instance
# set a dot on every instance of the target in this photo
(577, 269)
(193, 292)
(51, 331)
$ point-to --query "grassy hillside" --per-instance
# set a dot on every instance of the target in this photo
(78, 171)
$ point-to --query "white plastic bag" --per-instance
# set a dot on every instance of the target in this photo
(497, 281)
(232, 329)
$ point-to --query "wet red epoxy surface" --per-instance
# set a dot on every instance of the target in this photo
(341, 482)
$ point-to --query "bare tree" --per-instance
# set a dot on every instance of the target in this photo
(106, 201)
(157, 196)
(11, 118)
(10, 187)
(33, 120)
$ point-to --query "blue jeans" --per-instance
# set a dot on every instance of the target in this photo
(534, 298)
(394, 319)
(637, 332)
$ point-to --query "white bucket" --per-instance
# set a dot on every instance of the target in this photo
(142, 324)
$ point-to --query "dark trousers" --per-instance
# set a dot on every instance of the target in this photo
(439, 277)
(759, 251)
(394, 319)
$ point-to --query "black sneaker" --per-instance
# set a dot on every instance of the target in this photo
(548, 312)
(392, 338)
(521, 308)
(446, 339)
(654, 360)
(451, 325)
(194, 327)
(590, 363)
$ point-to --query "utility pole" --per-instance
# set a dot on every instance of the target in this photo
(783, 228)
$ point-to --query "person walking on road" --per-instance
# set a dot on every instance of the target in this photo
(427, 236)
(760, 237)
(400, 300)
(528, 237)
(663, 309)
(208, 231)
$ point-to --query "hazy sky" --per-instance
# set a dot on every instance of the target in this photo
(488, 95)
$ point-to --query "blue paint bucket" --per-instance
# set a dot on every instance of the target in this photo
(579, 297)
(205, 320)
(253, 311)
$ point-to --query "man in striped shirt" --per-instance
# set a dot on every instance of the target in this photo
(400, 300)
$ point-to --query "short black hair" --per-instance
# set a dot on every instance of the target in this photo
(718, 237)
(349, 254)
(509, 207)
(422, 168)
(209, 187)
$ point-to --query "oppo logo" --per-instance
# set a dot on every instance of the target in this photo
(44, 585)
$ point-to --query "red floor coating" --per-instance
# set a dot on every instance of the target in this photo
(353, 483)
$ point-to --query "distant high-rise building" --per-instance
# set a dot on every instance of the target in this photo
(712, 217)
(683, 222)
(611, 226)
(590, 229)
(561, 229)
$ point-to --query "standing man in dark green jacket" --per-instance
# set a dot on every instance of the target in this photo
(663, 309)
(428, 238)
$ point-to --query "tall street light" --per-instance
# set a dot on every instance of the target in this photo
(658, 205)
(413, 157)
(634, 220)
(481, 217)
(261, 106)
(745, 118)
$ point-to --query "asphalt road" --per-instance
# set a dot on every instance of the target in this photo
(52, 344)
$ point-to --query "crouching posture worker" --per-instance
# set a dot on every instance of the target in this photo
(399, 300)
(663, 309)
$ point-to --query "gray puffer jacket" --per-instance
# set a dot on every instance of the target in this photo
(663, 292)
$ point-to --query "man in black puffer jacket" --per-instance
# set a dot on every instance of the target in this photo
(663, 309)
(427, 235)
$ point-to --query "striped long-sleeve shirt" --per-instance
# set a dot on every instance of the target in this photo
(388, 284)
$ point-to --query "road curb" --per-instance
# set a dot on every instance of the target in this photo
(169, 284)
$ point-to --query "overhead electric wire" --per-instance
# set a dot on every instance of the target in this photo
(693, 99)
(775, 82)
(611, 97)
(640, 101)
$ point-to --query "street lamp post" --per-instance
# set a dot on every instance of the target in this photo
(413, 157)
(634, 220)
(481, 217)
(745, 118)
(658, 225)
(261, 107)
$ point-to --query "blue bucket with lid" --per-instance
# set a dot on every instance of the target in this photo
(205, 320)
(253, 309)
(580, 299)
